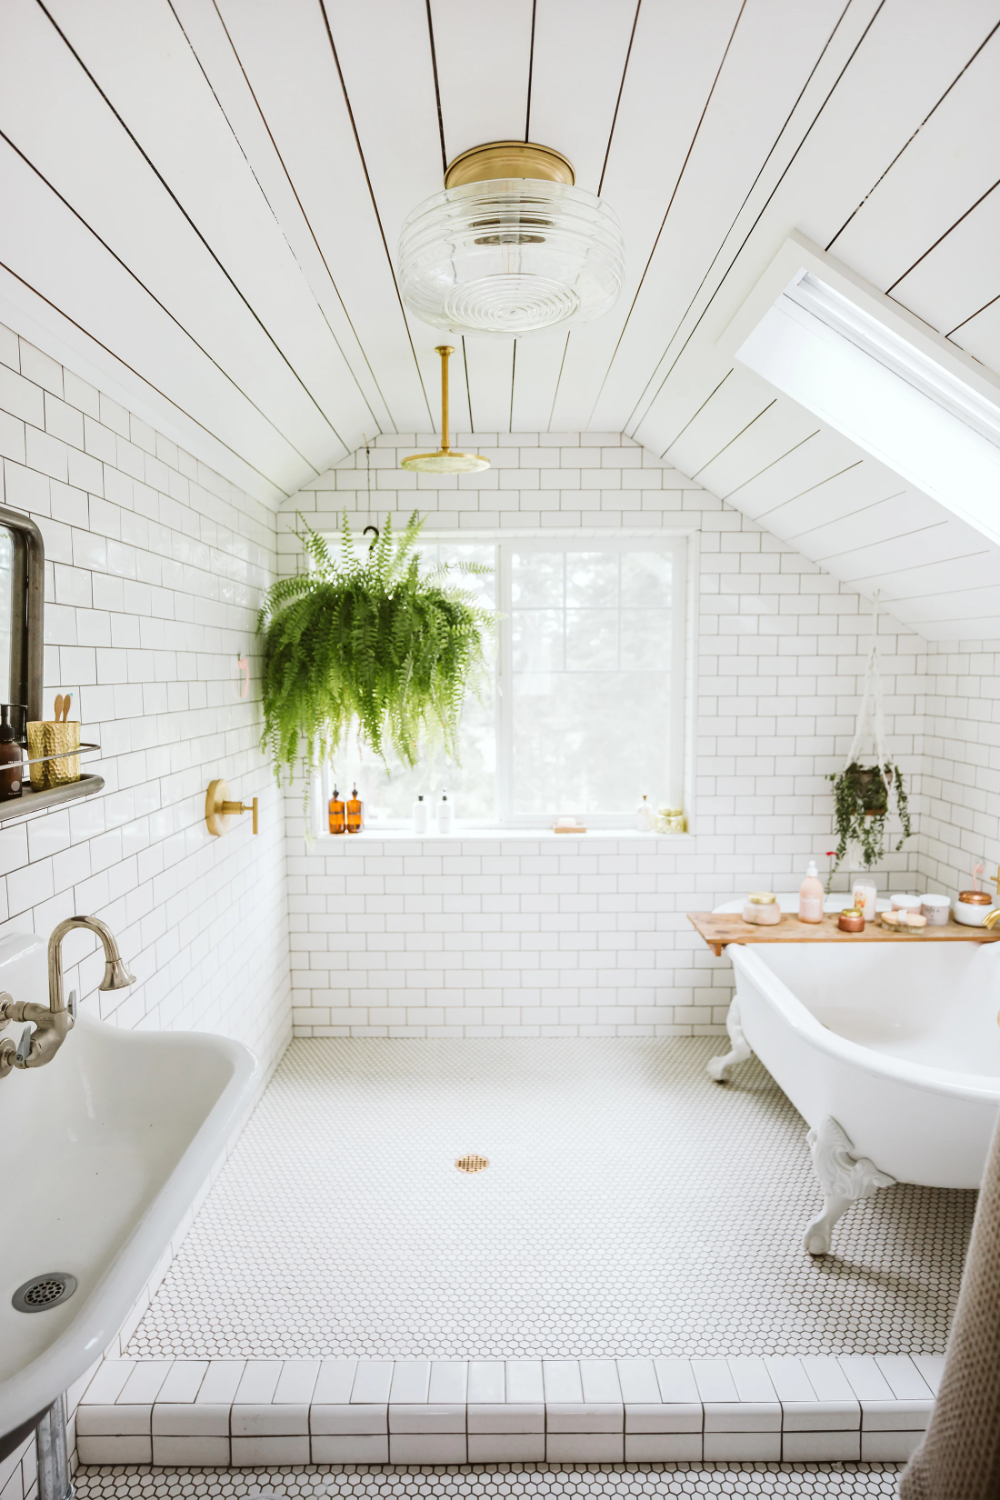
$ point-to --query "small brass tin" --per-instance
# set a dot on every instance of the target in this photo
(46, 737)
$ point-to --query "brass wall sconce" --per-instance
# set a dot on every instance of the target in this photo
(219, 808)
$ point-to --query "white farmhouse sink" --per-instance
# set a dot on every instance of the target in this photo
(106, 1146)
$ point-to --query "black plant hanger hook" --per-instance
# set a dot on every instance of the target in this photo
(368, 473)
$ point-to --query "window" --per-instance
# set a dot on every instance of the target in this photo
(584, 708)
(22, 567)
(928, 417)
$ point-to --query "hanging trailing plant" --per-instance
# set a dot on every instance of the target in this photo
(861, 800)
(862, 794)
(370, 641)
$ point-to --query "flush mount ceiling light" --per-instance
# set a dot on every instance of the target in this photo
(445, 460)
(511, 246)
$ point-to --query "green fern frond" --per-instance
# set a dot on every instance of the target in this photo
(366, 640)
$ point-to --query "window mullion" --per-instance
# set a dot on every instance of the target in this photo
(505, 686)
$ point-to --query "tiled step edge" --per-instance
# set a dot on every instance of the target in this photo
(261, 1413)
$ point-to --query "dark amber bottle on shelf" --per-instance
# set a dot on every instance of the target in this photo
(355, 813)
(11, 758)
(338, 821)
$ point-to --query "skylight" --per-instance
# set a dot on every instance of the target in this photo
(902, 405)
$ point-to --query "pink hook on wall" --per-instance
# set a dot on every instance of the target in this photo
(243, 667)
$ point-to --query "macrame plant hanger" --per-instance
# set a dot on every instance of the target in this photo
(871, 714)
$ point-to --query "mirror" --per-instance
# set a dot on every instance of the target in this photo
(22, 586)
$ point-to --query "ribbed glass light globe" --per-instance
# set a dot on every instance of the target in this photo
(510, 256)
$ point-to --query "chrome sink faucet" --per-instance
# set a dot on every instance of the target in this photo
(54, 1021)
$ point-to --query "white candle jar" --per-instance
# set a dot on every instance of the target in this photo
(936, 909)
(761, 909)
(864, 894)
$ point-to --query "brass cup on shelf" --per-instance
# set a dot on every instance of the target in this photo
(220, 807)
(47, 739)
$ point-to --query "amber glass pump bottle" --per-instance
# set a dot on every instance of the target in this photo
(355, 813)
(338, 822)
(11, 758)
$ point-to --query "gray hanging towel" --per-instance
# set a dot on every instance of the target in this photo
(959, 1458)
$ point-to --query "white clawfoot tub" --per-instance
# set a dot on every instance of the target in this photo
(891, 1052)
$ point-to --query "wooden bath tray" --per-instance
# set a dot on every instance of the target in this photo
(721, 928)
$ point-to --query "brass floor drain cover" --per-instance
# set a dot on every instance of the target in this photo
(472, 1163)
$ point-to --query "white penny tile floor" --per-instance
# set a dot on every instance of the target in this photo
(860, 1482)
(631, 1207)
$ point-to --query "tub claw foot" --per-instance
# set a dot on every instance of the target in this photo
(718, 1067)
(843, 1177)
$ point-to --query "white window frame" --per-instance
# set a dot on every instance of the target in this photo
(683, 543)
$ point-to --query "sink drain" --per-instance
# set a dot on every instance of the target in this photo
(472, 1163)
(42, 1292)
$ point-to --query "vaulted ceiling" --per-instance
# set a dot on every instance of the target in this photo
(201, 201)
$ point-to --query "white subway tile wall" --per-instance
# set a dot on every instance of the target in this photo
(154, 570)
(960, 806)
(547, 936)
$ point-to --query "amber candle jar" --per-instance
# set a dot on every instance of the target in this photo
(851, 919)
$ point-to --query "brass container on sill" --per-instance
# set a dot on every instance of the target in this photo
(47, 737)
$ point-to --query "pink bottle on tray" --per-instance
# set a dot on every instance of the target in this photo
(811, 896)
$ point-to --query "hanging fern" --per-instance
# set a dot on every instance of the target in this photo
(370, 641)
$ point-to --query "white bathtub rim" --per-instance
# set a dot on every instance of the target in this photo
(978, 1087)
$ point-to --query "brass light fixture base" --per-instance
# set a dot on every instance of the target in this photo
(445, 460)
(219, 808)
(499, 159)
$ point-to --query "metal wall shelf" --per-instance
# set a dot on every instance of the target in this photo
(30, 801)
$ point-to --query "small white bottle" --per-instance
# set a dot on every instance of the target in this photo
(644, 815)
(421, 815)
(444, 814)
(811, 896)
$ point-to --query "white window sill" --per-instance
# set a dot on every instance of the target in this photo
(507, 835)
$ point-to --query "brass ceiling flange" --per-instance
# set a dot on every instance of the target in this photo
(498, 159)
(447, 460)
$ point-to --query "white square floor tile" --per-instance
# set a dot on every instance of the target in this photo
(427, 1448)
(662, 1447)
(506, 1447)
(372, 1448)
(259, 1452)
(190, 1452)
(821, 1447)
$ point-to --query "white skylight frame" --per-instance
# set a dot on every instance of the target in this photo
(877, 375)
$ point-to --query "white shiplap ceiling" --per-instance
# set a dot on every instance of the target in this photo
(201, 201)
